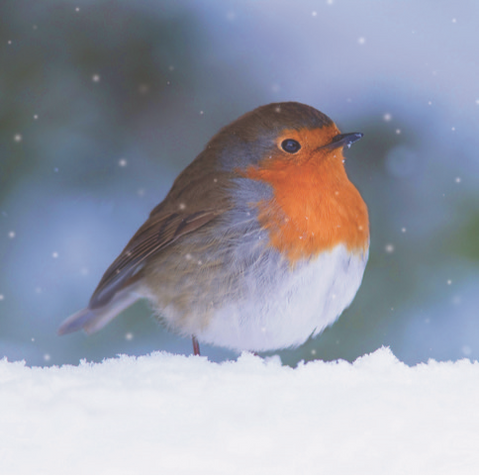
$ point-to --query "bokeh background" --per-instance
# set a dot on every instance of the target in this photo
(103, 103)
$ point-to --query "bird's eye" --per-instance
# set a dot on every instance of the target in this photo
(291, 146)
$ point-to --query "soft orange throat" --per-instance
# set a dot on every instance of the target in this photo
(314, 209)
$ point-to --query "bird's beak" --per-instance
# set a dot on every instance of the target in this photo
(343, 140)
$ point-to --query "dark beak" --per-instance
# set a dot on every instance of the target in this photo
(343, 140)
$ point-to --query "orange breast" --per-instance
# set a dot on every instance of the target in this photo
(314, 206)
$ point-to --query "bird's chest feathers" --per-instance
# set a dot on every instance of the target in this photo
(313, 209)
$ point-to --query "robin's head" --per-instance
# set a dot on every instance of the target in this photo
(287, 131)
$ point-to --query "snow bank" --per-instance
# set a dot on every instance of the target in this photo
(166, 413)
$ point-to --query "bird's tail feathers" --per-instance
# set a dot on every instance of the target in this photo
(92, 320)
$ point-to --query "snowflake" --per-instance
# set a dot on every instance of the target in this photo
(466, 350)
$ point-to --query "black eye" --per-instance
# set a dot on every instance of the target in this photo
(291, 146)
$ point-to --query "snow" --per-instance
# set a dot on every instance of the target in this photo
(165, 413)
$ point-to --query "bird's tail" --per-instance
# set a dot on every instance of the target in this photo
(92, 320)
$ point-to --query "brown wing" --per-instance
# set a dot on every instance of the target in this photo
(158, 232)
(202, 189)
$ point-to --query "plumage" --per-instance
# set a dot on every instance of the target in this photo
(251, 242)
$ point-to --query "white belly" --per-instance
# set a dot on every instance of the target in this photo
(287, 310)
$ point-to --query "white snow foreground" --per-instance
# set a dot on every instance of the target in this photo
(166, 413)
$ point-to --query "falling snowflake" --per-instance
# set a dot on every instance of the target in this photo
(361, 40)
(17, 137)
(11, 234)
(96, 78)
(466, 350)
(143, 88)
(457, 299)
(389, 248)
(122, 162)
(128, 336)
(387, 117)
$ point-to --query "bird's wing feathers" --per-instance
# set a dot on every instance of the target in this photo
(159, 231)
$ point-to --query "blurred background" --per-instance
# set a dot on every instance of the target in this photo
(103, 103)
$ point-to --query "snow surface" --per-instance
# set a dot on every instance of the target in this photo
(165, 413)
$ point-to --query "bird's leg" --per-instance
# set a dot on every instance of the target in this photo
(196, 346)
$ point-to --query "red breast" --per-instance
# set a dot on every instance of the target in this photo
(314, 206)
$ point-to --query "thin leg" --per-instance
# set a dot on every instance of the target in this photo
(196, 346)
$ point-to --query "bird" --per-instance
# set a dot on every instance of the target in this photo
(260, 244)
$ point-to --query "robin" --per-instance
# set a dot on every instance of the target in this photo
(261, 242)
